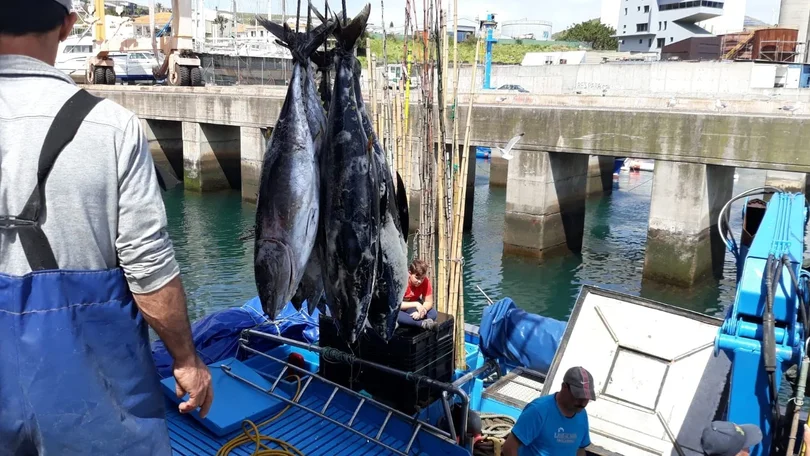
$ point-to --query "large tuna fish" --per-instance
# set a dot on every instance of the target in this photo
(287, 211)
(351, 205)
(392, 263)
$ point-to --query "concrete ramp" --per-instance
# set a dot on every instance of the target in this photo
(655, 373)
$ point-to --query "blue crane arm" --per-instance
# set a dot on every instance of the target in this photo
(764, 330)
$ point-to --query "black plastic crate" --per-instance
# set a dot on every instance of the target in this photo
(429, 353)
(340, 373)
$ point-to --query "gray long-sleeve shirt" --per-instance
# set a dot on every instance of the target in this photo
(103, 203)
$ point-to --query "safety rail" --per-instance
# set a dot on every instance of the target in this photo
(418, 426)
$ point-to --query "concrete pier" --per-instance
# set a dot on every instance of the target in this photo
(211, 159)
(545, 203)
(165, 144)
(683, 246)
(600, 175)
(791, 182)
(498, 172)
(253, 145)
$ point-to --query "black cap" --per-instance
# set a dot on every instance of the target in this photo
(580, 382)
(723, 438)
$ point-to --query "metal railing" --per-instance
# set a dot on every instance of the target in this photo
(418, 426)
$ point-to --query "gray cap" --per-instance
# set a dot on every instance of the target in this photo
(723, 438)
(580, 382)
(66, 3)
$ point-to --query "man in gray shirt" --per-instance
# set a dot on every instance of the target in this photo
(84, 259)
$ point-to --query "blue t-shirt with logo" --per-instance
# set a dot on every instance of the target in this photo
(544, 431)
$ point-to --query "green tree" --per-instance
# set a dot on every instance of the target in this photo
(593, 32)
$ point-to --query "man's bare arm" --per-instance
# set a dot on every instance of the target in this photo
(407, 305)
(165, 311)
(510, 446)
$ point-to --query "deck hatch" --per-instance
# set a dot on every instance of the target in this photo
(653, 366)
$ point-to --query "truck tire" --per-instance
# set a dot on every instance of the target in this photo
(196, 77)
(109, 76)
(181, 76)
(98, 75)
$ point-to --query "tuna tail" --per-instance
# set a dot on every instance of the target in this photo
(301, 45)
(402, 206)
(324, 62)
(347, 35)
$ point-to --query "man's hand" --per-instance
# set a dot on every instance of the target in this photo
(415, 315)
(195, 379)
(420, 308)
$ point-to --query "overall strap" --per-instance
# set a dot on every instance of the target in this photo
(62, 131)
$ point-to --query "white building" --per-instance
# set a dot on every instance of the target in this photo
(610, 13)
(732, 20)
(649, 25)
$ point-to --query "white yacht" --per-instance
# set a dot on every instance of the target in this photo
(72, 56)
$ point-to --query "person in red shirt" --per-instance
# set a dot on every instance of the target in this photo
(417, 306)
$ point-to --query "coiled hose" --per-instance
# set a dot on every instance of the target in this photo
(258, 439)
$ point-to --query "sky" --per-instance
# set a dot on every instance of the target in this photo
(562, 13)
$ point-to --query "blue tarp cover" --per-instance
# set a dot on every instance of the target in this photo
(515, 335)
(216, 336)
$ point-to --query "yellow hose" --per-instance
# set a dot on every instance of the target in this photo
(258, 439)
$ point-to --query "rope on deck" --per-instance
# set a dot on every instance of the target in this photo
(494, 430)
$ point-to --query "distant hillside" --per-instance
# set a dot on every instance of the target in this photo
(557, 35)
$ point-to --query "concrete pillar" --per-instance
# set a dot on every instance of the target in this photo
(211, 157)
(253, 145)
(683, 246)
(545, 203)
(165, 144)
(791, 182)
(600, 175)
(498, 171)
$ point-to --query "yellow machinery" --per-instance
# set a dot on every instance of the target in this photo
(180, 65)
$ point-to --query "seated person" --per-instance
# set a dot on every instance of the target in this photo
(557, 424)
(723, 438)
(417, 306)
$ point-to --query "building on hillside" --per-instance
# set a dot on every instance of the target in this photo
(140, 24)
(526, 29)
(649, 25)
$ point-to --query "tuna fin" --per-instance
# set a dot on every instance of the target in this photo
(318, 13)
(302, 45)
(402, 206)
(348, 35)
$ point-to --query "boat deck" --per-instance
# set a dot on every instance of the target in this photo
(314, 435)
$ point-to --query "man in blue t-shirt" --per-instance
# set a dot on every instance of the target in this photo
(557, 424)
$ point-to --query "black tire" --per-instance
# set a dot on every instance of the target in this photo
(181, 76)
(98, 75)
(109, 76)
(196, 77)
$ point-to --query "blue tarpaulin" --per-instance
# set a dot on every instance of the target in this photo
(510, 333)
(216, 336)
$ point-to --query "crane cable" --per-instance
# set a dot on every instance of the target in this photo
(258, 439)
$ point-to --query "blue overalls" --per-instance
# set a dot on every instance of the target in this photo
(76, 371)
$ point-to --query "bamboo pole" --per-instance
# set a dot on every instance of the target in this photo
(456, 285)
(454, 110)
(407, 126)
(372, 77)
(441, 172)
(398, 143)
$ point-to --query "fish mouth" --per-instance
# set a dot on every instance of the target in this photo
(275, 273)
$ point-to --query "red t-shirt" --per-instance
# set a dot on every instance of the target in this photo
(422, 291)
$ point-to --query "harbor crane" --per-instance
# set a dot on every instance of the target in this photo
(180, 65)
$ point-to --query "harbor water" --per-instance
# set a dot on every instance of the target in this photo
(217, 266)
